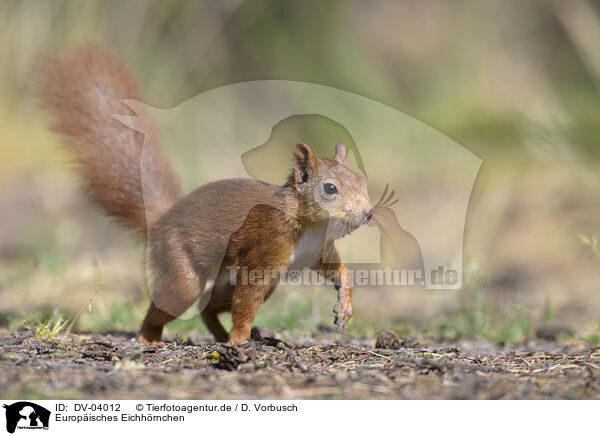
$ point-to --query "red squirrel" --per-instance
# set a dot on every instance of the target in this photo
(256, 225)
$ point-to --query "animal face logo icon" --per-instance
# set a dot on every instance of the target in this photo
(26, 415)
(419, 179)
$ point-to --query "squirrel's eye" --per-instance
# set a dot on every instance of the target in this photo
(329, 188)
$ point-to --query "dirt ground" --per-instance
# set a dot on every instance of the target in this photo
(325, 366)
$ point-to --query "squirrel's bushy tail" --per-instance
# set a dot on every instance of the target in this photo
(83, 89)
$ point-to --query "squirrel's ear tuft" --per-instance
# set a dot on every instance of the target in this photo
(305, 162)
(340, 153)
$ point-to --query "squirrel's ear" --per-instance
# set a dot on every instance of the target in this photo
(305, 162)
(340, 153)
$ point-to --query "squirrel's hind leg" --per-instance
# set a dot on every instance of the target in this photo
(152, 327)
(219, 301)
(214, 325)
(176, 287)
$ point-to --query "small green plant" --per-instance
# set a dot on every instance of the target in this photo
(49, 328)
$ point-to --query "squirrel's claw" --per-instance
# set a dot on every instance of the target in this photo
(343, 313)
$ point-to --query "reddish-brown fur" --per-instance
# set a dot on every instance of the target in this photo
(230, 223)
(83, 89)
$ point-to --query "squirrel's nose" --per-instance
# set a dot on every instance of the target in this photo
(369, 213)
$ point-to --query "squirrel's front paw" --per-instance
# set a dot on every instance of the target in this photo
(343, 313)
(343, 306)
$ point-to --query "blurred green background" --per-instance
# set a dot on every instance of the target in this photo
(515, 82)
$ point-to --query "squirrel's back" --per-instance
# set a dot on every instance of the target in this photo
(83, 89)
